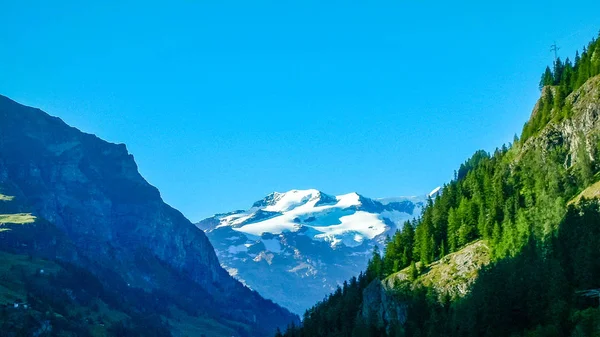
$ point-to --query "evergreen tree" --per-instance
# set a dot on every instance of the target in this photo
(453, 226)
(558, 71)
(375, 267)
(547, 78)
(413, 273)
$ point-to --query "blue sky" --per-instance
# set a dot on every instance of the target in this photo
(222, 102)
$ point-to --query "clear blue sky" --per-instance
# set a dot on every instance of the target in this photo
(222, 102)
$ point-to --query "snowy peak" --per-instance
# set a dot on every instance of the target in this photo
(347, 219)
(287, 201)
(305, 240)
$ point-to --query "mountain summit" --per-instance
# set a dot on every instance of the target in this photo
(295, 247)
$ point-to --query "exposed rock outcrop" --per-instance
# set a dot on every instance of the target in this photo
(380, 307)
(583, 128)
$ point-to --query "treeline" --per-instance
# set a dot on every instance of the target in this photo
(564, 78)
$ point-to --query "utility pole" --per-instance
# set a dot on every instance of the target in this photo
(555, 49)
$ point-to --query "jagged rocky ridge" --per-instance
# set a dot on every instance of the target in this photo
(98, 212)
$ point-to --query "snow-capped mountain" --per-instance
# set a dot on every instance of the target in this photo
(296, 247)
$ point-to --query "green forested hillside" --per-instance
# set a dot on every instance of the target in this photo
(545, 255)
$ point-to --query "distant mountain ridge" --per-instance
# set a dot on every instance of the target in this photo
(294, 247)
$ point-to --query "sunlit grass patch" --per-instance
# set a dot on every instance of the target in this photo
(6, 197)
(592, 191)
(19, 218)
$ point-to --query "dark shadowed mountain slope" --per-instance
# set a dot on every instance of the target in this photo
(95, 210)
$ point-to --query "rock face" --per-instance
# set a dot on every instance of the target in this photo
(113, 220)
(296, 247)
(380, 307)
(583, 128)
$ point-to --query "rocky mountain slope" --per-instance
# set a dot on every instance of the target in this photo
(296, 247)
(96, 211)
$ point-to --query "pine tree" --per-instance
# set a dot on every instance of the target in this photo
(443, 251)
(453, 226)
(558, 71)
(413, 273)
(407, 239)
(375, 267)
(496, 234)
(547, 78)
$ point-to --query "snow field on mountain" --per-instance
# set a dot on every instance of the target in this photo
(319, 216)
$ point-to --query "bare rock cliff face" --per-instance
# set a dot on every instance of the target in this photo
(583, 128)
(380, 307)
(93, 193)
